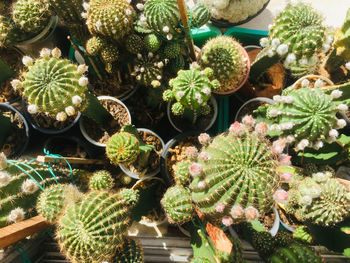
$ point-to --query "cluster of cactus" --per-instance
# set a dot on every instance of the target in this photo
(21, 183)
(130, 252)
(296, 36)
(53, 85)
(225, 56)
(9, 32)
(321, 199)
(191, 89)
(307, 116)
(101, 180)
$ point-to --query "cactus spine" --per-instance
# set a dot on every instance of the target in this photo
(101, 180)
(130, 252)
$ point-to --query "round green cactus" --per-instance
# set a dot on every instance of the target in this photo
(10, 33)
(163, 17)
(178, 205)
(122, 147)
(302, 234)
(130, 196)
(152, 42)
(51, 202)
(283, 238)
(264, 243)
(176, 64)
(101, 180)
(109, 53)
(182, 174)
(130, 252)
(94, 45)
(53, 85)
(134, 44)
(200, 15)
(112, 19)
(172, 50)
(149, 70)
(92, 230)
(31, 15)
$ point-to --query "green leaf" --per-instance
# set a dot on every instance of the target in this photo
(347, 252)
(200, 245)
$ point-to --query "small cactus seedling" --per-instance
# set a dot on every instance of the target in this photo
(130, 252)
(148, 69)
(130, 196)
(101, 180)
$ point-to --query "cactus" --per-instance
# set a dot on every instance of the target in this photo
(130, 252)
(163, 17)
(296, 35)
(152, 42)
(176, 64)
(18, 190)
(52, 201)
(101, 180)
(149, 70)
(320, 199)
(172, 50)
(200, 260)
(10, 33)
(53, 85)
(112, 20)
(283, 238)
(94, 45)
(225, 56)
(200, 15)
(134, 44)
(182, 174)
(92, 230)
(178, 205)
(130, 196)
(235, 176)
(296, 253)
(191, 89)
(264, 243)
(301, 234)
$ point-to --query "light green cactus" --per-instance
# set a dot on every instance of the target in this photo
(130, 252)
(302, 234)
(101, 180)
(149, 70)
(178, 205)
(94, 45)
(182, 174)
(130, 196)
(152, 42)
(296, 35)
(93, 229)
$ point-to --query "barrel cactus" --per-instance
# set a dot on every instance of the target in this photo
(178, 205)
(10, 33)
(52, 201)
(134, 44)
(52, 85)
(152, 42)
(225, 56)
(101, 180)
(172, 50)
(200, 15)
(148, 70)
(31, 15)
(191, 89)
(264, 243)
(182, 174)
(93, 229)
(130, 196)
(235, 176)
(296, 36)
(130, 252)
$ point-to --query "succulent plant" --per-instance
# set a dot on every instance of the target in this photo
(130, 252)
(200, 15)
(52, 201)
(93, 229)
(20, 185)
(178, 205)
(235, 176)
(149, 70)
(134, 44)
(296, 253)
(9, 32)
(163, 17)
(101, 180)
(152, 42)
(301, 234)
(191, 89)
(172, 50)
(130, 196)
(53, 85)
(176, 64)
(94, 45)
(200, 260)
(297, 36)
(283, 238)
(182, 174)
(225, 56)
(264, 243)
(31, 15)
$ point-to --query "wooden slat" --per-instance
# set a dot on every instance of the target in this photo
(16, 232)
(71, 160)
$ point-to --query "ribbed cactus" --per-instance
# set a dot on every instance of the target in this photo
(31, 15)
(93, 229)
(235, 176)
(152, 42)
(296, 253)
(307, 116)
(182, 174)
(296, 35)
(112, 19)
(176, 64)
(172, 50)
(320, 199)
(101, 180)
(130, 196)
(200, 15)
(302, 234)
(148, 70)
(19, 192)
(225, 56)
(9, 32)
(53, 85)
(178, 205)
(191, 89)
(263, 243)
(163, 17)
(134, 44)
(53, 200)
(130, 252)
(94, 45)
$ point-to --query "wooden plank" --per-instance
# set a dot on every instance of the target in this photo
(16, 232)
(70, 160)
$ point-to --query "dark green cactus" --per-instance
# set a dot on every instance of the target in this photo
(200, 15)
(53, 200)
(296, 35)
(178, 205)
(182, 174)
(172, 50)
(130, 252)
(101, 180)
(152, 42)
(10, 33)
(134, 44)
(283, 238)
(149, 70)
(176, 64)
(93, 229)
(264, 243)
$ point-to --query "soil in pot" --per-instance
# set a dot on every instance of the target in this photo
(100, 133)
(154, 157)
(17, 135)
(45, 121)
(288, 219)
(271, 84)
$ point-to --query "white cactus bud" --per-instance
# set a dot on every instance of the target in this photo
(128, 12)
(32, 109)
(76, 100)
(159, 77)
(286, 126)
(319, 83)
(302, 144)
(282, 49)
(138, 77)
(83, 81)
(45, 53)
(342, 107)
(347, 65)
(275, 42)
(126, 20)
(270, 53)
(5, 178)
(29, 186)
(160, 64)
(82, 68)
(150, 54)
(86, 6)
(3, 161)
(305, 83)
(166, 29)
(98, 25)
(139, 56)
(333, 133)
(317, 145)
(169, 36)
(140, 6)
(16, 84)
(27, 61)
(206, 91)
(305, 200)
(341, 123)
(326, 47)
(264, 42)
(291, 58)
(336, 94)
(290, 138)
(56, 53)
(303, 61)
(84, 15)
(70, 110)
(273, 113)
(61, 116)
(287, 99)
(16, 215)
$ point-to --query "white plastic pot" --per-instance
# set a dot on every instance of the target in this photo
(81, 121)
(263, 99)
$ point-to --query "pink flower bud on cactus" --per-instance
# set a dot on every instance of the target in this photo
(248, 121)
(261, 129)
(251, 213)
(237, 212)
(286, 177)
(204, 138)
(280, 196)
(236, 128)
(284, 159)
(195, 169)
(204, 156)
(278, 146)
(220, 207)
(191, 152)
(201, 185)
(227, 221)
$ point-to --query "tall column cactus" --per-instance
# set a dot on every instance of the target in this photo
(296, 36)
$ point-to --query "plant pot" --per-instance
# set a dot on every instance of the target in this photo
(312, 78)
(276, 76)
(83, 129)
(26, 133)
(33, 46)
(188, 125)
(50, 131)
(249, 106)
(149, 174)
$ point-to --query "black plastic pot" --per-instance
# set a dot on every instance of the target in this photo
(7, 106)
